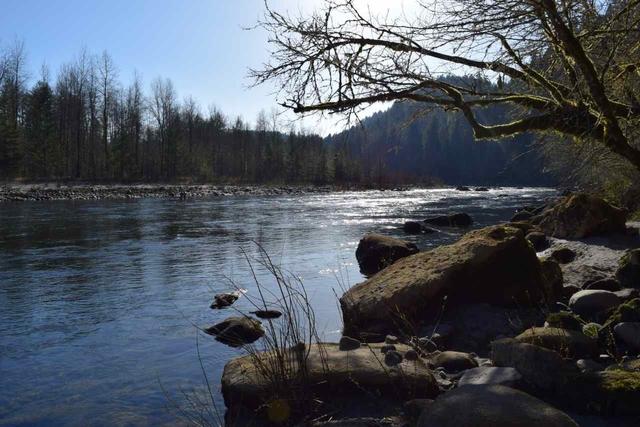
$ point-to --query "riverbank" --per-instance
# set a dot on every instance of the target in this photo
(19, 192)
(41, 192)
(532, 322)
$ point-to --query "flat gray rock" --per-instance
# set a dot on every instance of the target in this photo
(485, 375)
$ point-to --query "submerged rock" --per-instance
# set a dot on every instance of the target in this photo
(237, 331)
(375, 252)
(491, 265)
(267, 314)
(491, 406)
(452, 220)
(581, 215)
(225, 300)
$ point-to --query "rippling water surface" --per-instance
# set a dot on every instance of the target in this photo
(98, 300)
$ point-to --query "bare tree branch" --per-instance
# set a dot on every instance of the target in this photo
(568, 67)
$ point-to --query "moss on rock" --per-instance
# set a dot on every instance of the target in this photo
(610, 392)
(564, 320)
(566, 342)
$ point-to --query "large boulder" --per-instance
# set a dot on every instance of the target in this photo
(629, 269)
(566, 342)
(376, 252)
(237, 331)
(494, 265)
(491, 406)
(581, 215)
(325, 372)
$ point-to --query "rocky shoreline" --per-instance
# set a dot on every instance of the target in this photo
(533, 322)
(41, 192)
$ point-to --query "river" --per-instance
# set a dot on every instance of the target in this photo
(100, 300)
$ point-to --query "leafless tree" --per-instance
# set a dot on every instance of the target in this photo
(570, 67)
(163, 107)
(135, 106)
(108, 75)
(3, 65)
(14, 71)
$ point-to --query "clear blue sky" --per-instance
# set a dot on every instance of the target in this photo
(200, 44)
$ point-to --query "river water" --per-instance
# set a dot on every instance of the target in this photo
(99, 300)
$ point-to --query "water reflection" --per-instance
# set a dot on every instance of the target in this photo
(98, 299)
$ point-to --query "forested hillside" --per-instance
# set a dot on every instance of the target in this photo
(408, 143)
